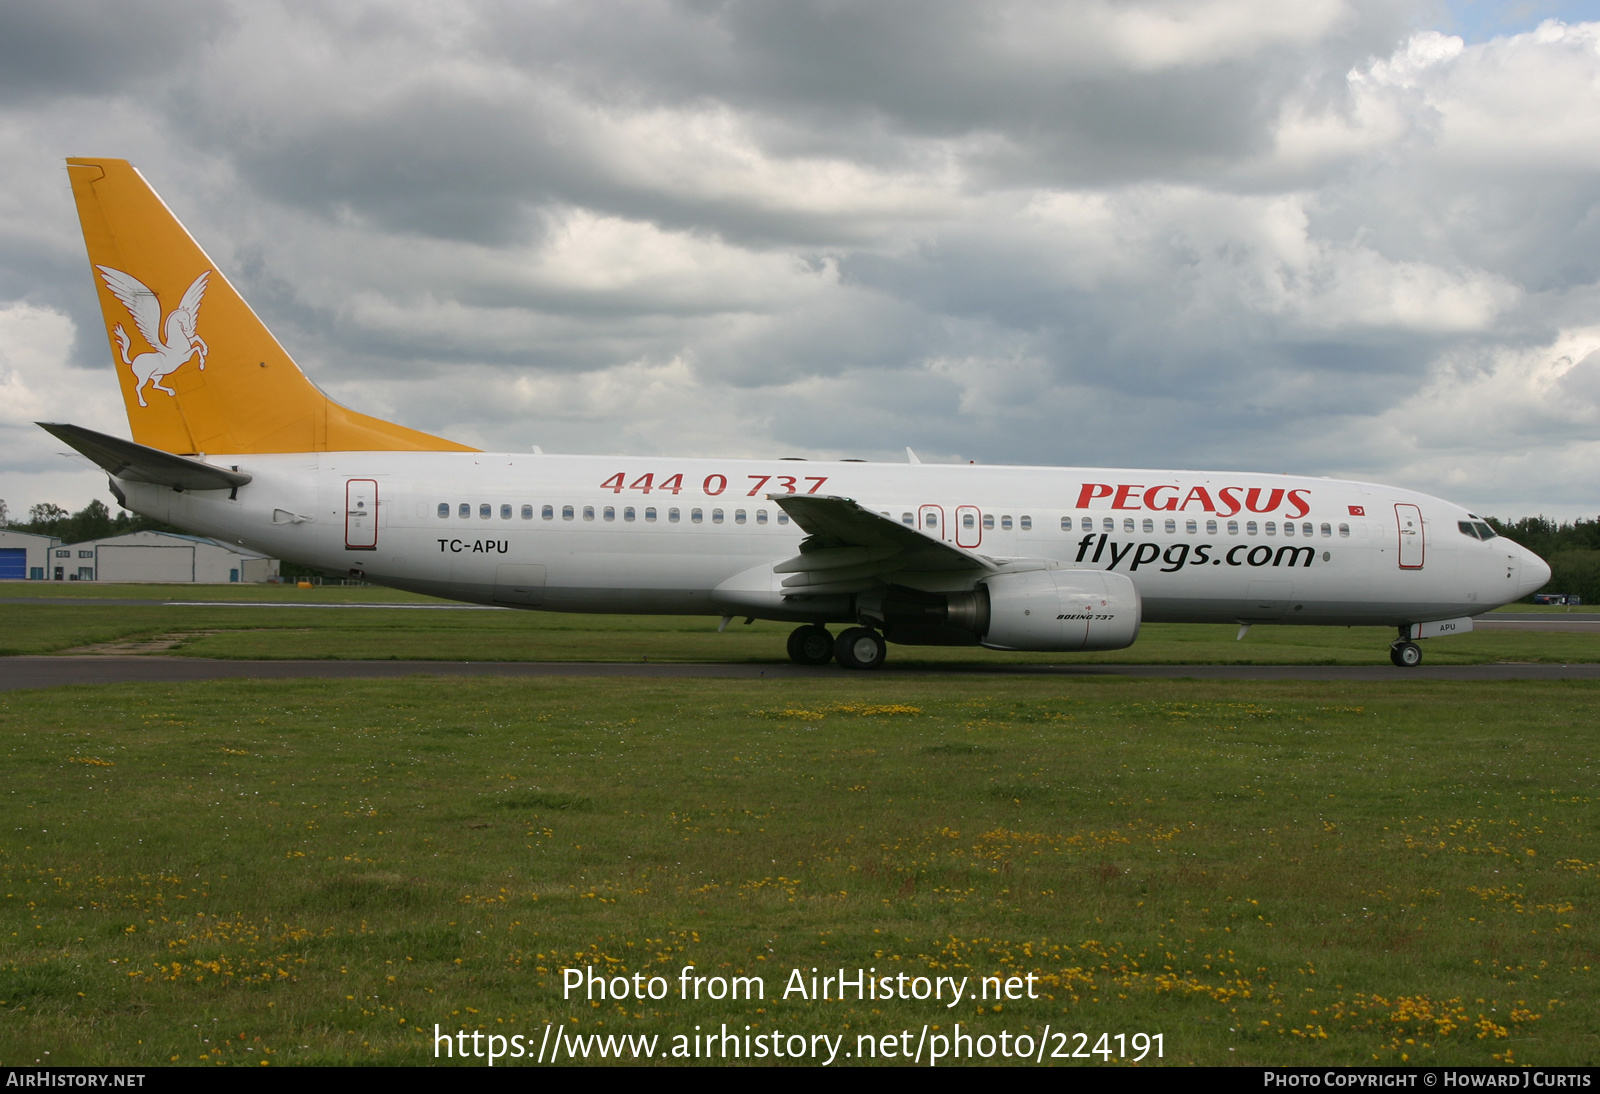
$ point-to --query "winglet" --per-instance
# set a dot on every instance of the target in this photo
(200, 371)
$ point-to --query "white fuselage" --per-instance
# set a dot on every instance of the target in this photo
(647, 535)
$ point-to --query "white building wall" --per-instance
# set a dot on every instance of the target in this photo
(158, 557)
(36, 551)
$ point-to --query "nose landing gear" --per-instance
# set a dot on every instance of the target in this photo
(1405, 655)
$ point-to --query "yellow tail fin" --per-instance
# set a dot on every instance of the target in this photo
(199, 370)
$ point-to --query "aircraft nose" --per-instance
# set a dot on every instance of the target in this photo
(1534, 575)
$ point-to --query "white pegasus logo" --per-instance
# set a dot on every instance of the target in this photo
(168, 353)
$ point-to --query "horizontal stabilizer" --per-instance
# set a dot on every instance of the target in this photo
(126, 460)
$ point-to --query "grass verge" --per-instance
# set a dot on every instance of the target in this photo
(317, 872)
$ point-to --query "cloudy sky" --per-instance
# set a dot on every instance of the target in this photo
(1357, 238)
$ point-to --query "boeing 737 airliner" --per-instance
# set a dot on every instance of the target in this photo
(231, 440)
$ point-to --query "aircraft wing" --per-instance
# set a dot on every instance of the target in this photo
(849, 548)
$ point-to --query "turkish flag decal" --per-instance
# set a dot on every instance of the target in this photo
(1357, 511)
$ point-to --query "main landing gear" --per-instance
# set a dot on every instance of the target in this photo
(810, 645)
(855, 648)
(1405, 655)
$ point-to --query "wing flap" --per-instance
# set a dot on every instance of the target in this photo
(849, 548)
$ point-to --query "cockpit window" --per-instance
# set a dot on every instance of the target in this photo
(1484, 531)
(1467, 528)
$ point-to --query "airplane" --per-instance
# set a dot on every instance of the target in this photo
(231, 440)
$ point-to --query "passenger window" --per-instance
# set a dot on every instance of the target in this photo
(672, 516)
(548, 512)
(738, 516)
(1066, 524)
(628, 512)
(649, 512)
(505, 512)
(1149, 525)
(906, 518)
(1127, 524)
(1190, 527)
(465, 511)
(527, 512)
(1233, 527)
(761, 516)
(1027, 524)
(1344, 531)
(716, 516)
(696, 516)
(1109, 525)
(1088, 524)
(1327, 529)
(1250, 528)
(783, 518)
(967, 522)
(1172, 526)
(485, 511)
(444, 510)
(1305, 529)
(1288, 527)
(1272, 527)
(609, 512)
(1005, 523)
(566, 512)
(931, 520)
(988, 522)
(1211, 527)
(588, 512)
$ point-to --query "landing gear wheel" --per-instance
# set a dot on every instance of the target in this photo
(1405, 655)
(859, 648)
(810, 645)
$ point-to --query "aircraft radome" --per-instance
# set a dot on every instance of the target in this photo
(231, 440)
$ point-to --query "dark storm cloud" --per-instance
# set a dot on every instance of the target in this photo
(86, 47)
(1295, 236)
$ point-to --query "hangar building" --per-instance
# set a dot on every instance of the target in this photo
(24, 555)
(158, 556)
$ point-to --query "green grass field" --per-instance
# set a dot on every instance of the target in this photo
(233, 629)
(318, 872)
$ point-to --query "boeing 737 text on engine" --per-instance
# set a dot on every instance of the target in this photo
(231, 440)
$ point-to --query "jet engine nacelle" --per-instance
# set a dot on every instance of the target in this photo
(1062, 610)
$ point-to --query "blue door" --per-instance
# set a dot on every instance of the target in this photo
(13, 563)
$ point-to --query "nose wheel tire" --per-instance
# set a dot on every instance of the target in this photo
(859, 648)
(810, 645)
(1405, 655)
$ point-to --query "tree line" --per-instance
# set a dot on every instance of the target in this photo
(93, 521)
(1572, 547)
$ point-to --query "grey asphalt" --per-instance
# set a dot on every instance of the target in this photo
(128, 602)
(44, 672)
(1576, 623)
